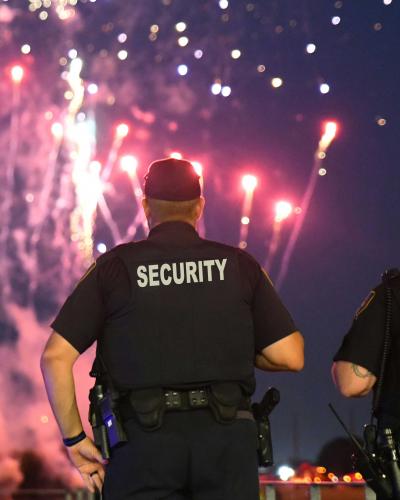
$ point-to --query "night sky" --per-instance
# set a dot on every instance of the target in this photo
(351, 229)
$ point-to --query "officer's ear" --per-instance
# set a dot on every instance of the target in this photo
(200, 207)
(146, 207)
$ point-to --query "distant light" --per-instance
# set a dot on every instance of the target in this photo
(298, 211)
(26, 48)
(44, 419)
(17, 74)
(245, 220)
(122, 55)
(183, 41)
(283, 209)
(276, 82)
(95, 167)
(216, 88)
(249, 182)
(57, 130)
(73, 54)
(180, 27)
(226, 91)
(81, 117)
(198, 168)
(331, 129)
(92, 88)
(68, 95)
(321, 155)
(122, 130)
(381, 122)
(176, 155)
(387, 2)
(322, 172)
(335, 20)
(182, 69)
(154, 28)
(235, 54)
(311, 48)
(378, 26)
(198, 54)
(261, 68)
(243, 245)
(285, 472)
(129, 164)
(324, 88)
(122, 37)
(76, 66)
(223, 4)
(102, 248)
(63, 61)
(43, 15)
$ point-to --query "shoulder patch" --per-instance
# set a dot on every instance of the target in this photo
(365, 303)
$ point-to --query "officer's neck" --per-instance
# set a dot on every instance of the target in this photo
(154, 223)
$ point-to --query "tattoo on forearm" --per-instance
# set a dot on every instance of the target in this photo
(358, 373)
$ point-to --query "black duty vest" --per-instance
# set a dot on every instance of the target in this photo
(187, 321)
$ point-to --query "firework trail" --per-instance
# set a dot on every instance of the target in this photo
(324, 143)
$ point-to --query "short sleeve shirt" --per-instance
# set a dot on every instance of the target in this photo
(363, 344)
(104, 294)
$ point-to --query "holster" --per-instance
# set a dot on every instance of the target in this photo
(224, 401)
(149, 407)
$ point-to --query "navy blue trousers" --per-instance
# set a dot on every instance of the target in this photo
(191, 457)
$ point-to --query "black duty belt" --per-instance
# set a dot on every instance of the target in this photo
(185, 400)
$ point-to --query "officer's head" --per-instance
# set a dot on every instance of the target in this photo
(172, 192)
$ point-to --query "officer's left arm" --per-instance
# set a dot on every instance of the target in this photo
(351, 379)
(286, 354)
(357, 362)
(57, 363)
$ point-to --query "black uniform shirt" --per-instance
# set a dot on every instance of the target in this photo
(363, 344)
(175, 309)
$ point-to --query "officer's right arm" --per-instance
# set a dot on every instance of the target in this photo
(287, 354)
(352, 380)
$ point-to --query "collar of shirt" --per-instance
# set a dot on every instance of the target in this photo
(176, 232)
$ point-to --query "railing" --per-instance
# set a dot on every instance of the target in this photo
(325, 490)
(269, 490)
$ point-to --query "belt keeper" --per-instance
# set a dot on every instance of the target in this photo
(74, 440)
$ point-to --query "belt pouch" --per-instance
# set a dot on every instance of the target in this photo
(225, 399)
(149, 407)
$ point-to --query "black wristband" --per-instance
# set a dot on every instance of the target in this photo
(74, 440)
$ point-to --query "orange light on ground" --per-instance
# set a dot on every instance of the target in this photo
(358, 476)
(321, 470)
(129, 164)
(283, 209)
(17, 73)
(347, 479)
(176, 155)
(122, 130)
(198, 168)
(249, 182)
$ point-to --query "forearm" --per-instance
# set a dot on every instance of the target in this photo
(60, 387)
(263, 364)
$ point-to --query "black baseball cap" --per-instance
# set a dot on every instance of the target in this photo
(171, 179)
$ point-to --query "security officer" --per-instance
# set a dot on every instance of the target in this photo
(368, 359)
(173, 315)
(357, 363)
